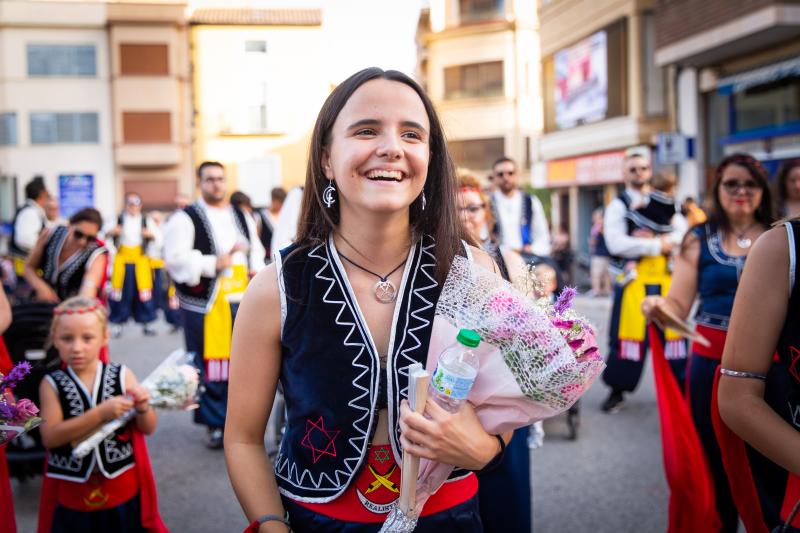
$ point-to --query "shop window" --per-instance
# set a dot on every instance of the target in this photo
(477, 80)
(8, 129)
(477, 154)
(155, 193)
(146, 127)
(144, 59)
(51, 128)
(655, 102)
(61, 60)
(480, 10)
(767, 106)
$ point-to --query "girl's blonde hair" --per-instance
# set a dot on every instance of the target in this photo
(468, 182)
(78, 305)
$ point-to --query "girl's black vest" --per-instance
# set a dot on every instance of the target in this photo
(330, 367)
(115, 454)
(198, 298)
(67, 280)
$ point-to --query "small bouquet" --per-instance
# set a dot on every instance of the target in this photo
(172, 385)
(16, 416)
(536, 358)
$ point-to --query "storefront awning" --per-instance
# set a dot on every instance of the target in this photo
(760, 76)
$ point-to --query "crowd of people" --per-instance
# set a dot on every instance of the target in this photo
(328, 280)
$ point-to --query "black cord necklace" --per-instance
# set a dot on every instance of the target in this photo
(385, 291)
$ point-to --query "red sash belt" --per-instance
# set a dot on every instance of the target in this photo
(98, 492)
(717, 339)
(375, 490)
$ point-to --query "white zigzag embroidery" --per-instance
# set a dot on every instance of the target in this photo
(282, 463)
(112, 450)
(65, 463)
(71, 393)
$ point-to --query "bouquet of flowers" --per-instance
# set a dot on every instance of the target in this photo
(172, 385)
(16, 416)
(536, 358)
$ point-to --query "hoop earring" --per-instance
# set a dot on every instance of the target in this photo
(328, 195)
(424, 201)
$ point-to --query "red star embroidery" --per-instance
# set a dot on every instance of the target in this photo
(794, 367)
(319, 439)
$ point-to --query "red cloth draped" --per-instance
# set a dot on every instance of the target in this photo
(7, 522)
(692, 505)
(151, 519)
(6, 364)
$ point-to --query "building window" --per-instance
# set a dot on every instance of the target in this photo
(50, 128)
(8, 129)
(146, 127)
(478, 80)
(480, 10)
(255, 46)
(144, 59)
(61, 60)
(477, 154)
(655, 87)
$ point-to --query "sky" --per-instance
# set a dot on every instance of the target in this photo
(359, 33)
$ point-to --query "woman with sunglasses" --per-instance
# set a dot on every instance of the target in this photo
(504, 494)
(68, 260)
(708, 266)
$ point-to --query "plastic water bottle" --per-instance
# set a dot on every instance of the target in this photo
(455, 372)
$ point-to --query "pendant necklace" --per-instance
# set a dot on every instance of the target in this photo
(741, 240)
(385, 291)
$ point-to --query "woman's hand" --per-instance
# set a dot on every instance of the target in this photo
(115, 407)
(649, 305)
(451, 438)
(45, 293)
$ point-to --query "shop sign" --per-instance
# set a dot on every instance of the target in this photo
(581, 89)
(75, 191)
(593, 169)
(673, 148)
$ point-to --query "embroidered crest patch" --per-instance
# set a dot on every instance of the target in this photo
(319, 439)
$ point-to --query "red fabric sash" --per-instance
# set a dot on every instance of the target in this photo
(737, 468)
(151, 519)
(6, 364)
(717, 339)
(692, 505)
(7, 521)
(791, 499)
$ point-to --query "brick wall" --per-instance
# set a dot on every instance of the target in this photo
(679, 19)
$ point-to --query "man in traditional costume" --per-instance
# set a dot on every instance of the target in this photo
(28, 223)
(211, 249)
(132, 277)
(627, 332)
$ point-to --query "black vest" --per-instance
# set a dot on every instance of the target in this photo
(115, 454)
(616, 264)
(121, 220)
(199, 297)
(330, 368)
(15, 250)
(67, 279)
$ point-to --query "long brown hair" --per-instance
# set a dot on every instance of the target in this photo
(440, 217)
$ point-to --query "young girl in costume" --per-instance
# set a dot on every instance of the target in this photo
(111, 489)
(353, 302)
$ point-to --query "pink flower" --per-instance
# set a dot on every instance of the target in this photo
(26, 409)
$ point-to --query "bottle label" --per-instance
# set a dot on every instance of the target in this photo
(450, 384)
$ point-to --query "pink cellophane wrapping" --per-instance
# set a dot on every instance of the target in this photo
(527, 370)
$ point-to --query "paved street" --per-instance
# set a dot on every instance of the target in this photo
(609, 480)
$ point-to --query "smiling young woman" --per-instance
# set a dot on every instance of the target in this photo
(340, 316)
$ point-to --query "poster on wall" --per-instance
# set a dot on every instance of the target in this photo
(75, 191)
(582, 82)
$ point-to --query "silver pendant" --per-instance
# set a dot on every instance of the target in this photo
(385, 291)
(743, 242)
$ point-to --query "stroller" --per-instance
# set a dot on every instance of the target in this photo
(26, 340)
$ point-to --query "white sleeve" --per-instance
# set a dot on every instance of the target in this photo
(158, 237)
(27, 228)
(257, 252)
(184, 263)
(540, 237)
(679, 228)
(619, 243)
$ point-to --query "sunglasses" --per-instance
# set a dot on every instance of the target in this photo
(732, 186)
(79, 235)
(472, 208)
(501, 173)
(134, 201)
(634, 170)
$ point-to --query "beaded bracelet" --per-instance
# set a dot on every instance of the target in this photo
(740, 374)
(275, 518)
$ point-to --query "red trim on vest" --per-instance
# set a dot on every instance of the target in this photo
(373, 493)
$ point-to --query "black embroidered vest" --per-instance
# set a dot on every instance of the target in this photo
(199, 297)
(330, 367)
(67, 279)
(115, 454)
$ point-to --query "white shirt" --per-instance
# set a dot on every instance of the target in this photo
(131, 234)
(615, 231)
(29, 224)
(285, 230)
(186, 264)
(510, 213)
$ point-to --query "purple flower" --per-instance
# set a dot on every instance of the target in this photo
(562, 323)
(17, 373)
(7, 411)
(564, 301)
(26, 409)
